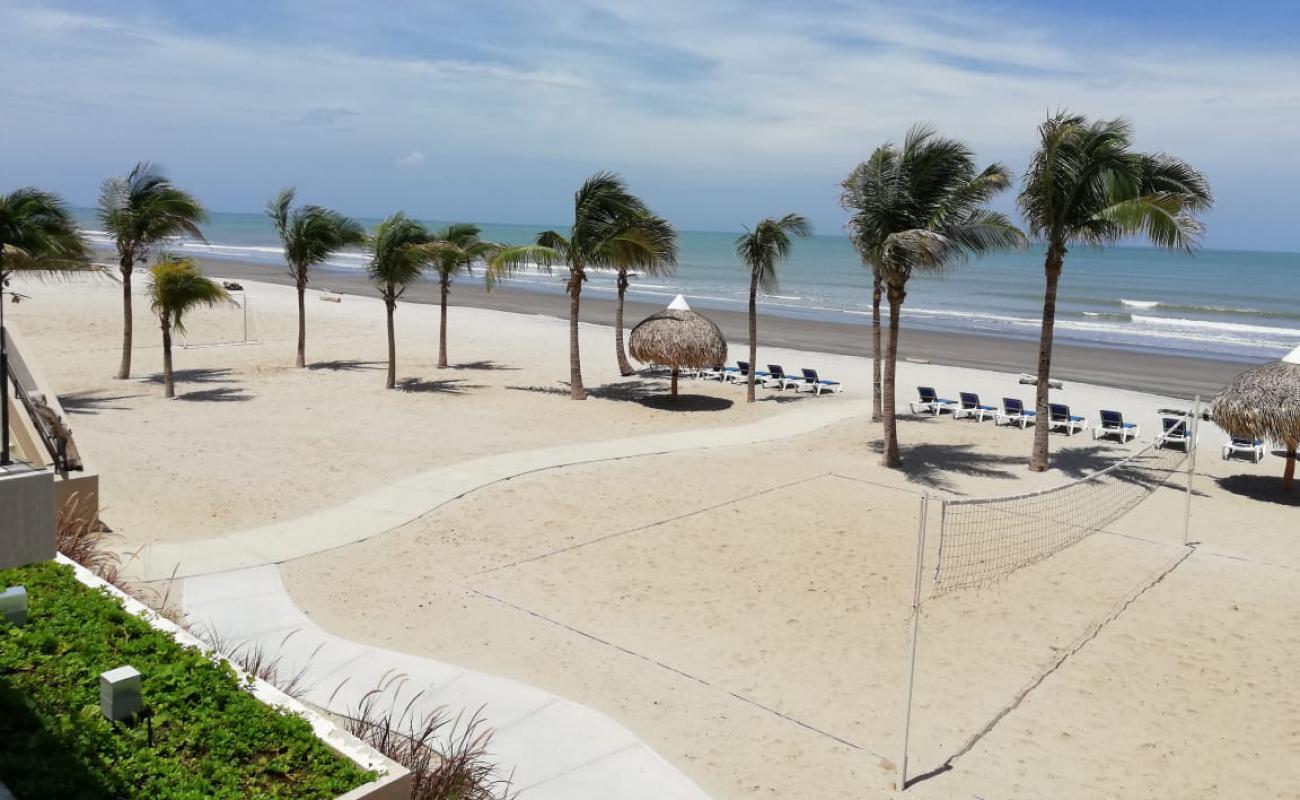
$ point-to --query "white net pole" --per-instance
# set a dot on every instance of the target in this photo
(1194, 431)
(912, 636)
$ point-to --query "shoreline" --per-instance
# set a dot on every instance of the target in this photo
(1166, 374)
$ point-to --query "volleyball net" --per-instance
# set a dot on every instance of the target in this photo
(982, 540)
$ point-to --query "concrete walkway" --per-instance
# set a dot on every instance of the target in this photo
(404, 501)
(557, 750)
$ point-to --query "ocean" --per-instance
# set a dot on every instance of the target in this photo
(1238, 305)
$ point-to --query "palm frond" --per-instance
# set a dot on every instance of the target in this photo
(509, 260)
(769, 244)
(145, 209)
(397, 254)
(39, 234)
(176, 287)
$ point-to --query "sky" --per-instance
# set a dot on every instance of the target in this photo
(717, 112)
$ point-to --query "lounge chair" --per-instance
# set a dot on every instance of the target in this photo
(969, 406)
(1240, 444)
(1175, 430)
(815, 384)
(1062, 418)
(777, 378)
(712, 373)
(741, 375)
(1112, 422)
(931, 402)
(1013, 412)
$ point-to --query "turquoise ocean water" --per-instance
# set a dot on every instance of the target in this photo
(1223, 303)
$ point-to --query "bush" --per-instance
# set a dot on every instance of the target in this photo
(210, 737)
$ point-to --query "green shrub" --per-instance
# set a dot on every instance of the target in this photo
(211, 737)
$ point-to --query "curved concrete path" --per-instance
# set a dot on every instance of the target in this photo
(399, 503)
(551, 748)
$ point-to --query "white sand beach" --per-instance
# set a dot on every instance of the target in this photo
(743, 609)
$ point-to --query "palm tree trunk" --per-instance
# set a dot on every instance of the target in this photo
(624, 368)
(753, 337)
(674, 381)
(126, 266)
(169, 388)
(442, 326)
(891, 457)
(389, 306)
(1038, 461)
(4, 371)
(302, 323)
(576, 389)
(1288, 475)
(876, 292)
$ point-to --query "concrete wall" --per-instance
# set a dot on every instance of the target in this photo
(26, 515)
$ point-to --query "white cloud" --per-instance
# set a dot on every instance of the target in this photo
(412, 160)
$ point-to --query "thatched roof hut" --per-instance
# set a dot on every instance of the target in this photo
(1264, 403)
(678, 337)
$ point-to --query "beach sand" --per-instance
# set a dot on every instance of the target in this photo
(742, 609)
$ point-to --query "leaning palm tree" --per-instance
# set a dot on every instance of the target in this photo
(1085, 185)
(922, 208)
(656, 268)
(310, 234)
(456, 249)
(38, 234)
(612, 229)
(139, 211)
(760, 250)
(400, 251)
(176, 287)
(856, 199)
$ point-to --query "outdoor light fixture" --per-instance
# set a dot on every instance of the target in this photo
(119, 693)
(13, 604)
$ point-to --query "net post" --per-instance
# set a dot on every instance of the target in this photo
(912, 637)
(1194, 432)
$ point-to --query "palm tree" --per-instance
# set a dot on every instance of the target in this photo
(1085, 185)
(176, 286)
(310, 234)
(36, 233)
(399, 248)
(140, 211)
(922, 208)
(856, 200)
(612, 229)
(456, 249)
(760, 250)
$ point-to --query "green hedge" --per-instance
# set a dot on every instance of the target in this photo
(211, 737)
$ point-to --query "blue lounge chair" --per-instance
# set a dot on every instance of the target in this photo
(1062, 418)
(1013, 411)
(741, 375)
(1112, 423)
(1176, 430)
(931, 402)
(815, 384)
(777, 378)
(970, 407)
(1240, 444)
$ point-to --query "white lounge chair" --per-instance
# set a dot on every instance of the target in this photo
(970, 406)
(1112, 423)
(1013, 412)
(1176, 430)
(815, 384)
(776, 378)
(1239, 444)
(930, 402)
(1060, 417)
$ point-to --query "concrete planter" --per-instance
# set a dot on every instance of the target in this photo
(394, 781)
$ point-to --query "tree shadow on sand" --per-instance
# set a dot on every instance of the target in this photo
(218, 375)
(933, 464)
(347, 365)
(651, 394)
(93, 401)
(447, 386)
(218, 394)
(1264, 488)
(484, 365)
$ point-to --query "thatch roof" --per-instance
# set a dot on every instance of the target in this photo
(1263, 402)
(678, 337)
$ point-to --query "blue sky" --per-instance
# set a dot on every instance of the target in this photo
(718, 113)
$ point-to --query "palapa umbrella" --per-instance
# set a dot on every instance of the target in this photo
(1264, 403)
(678, 337)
